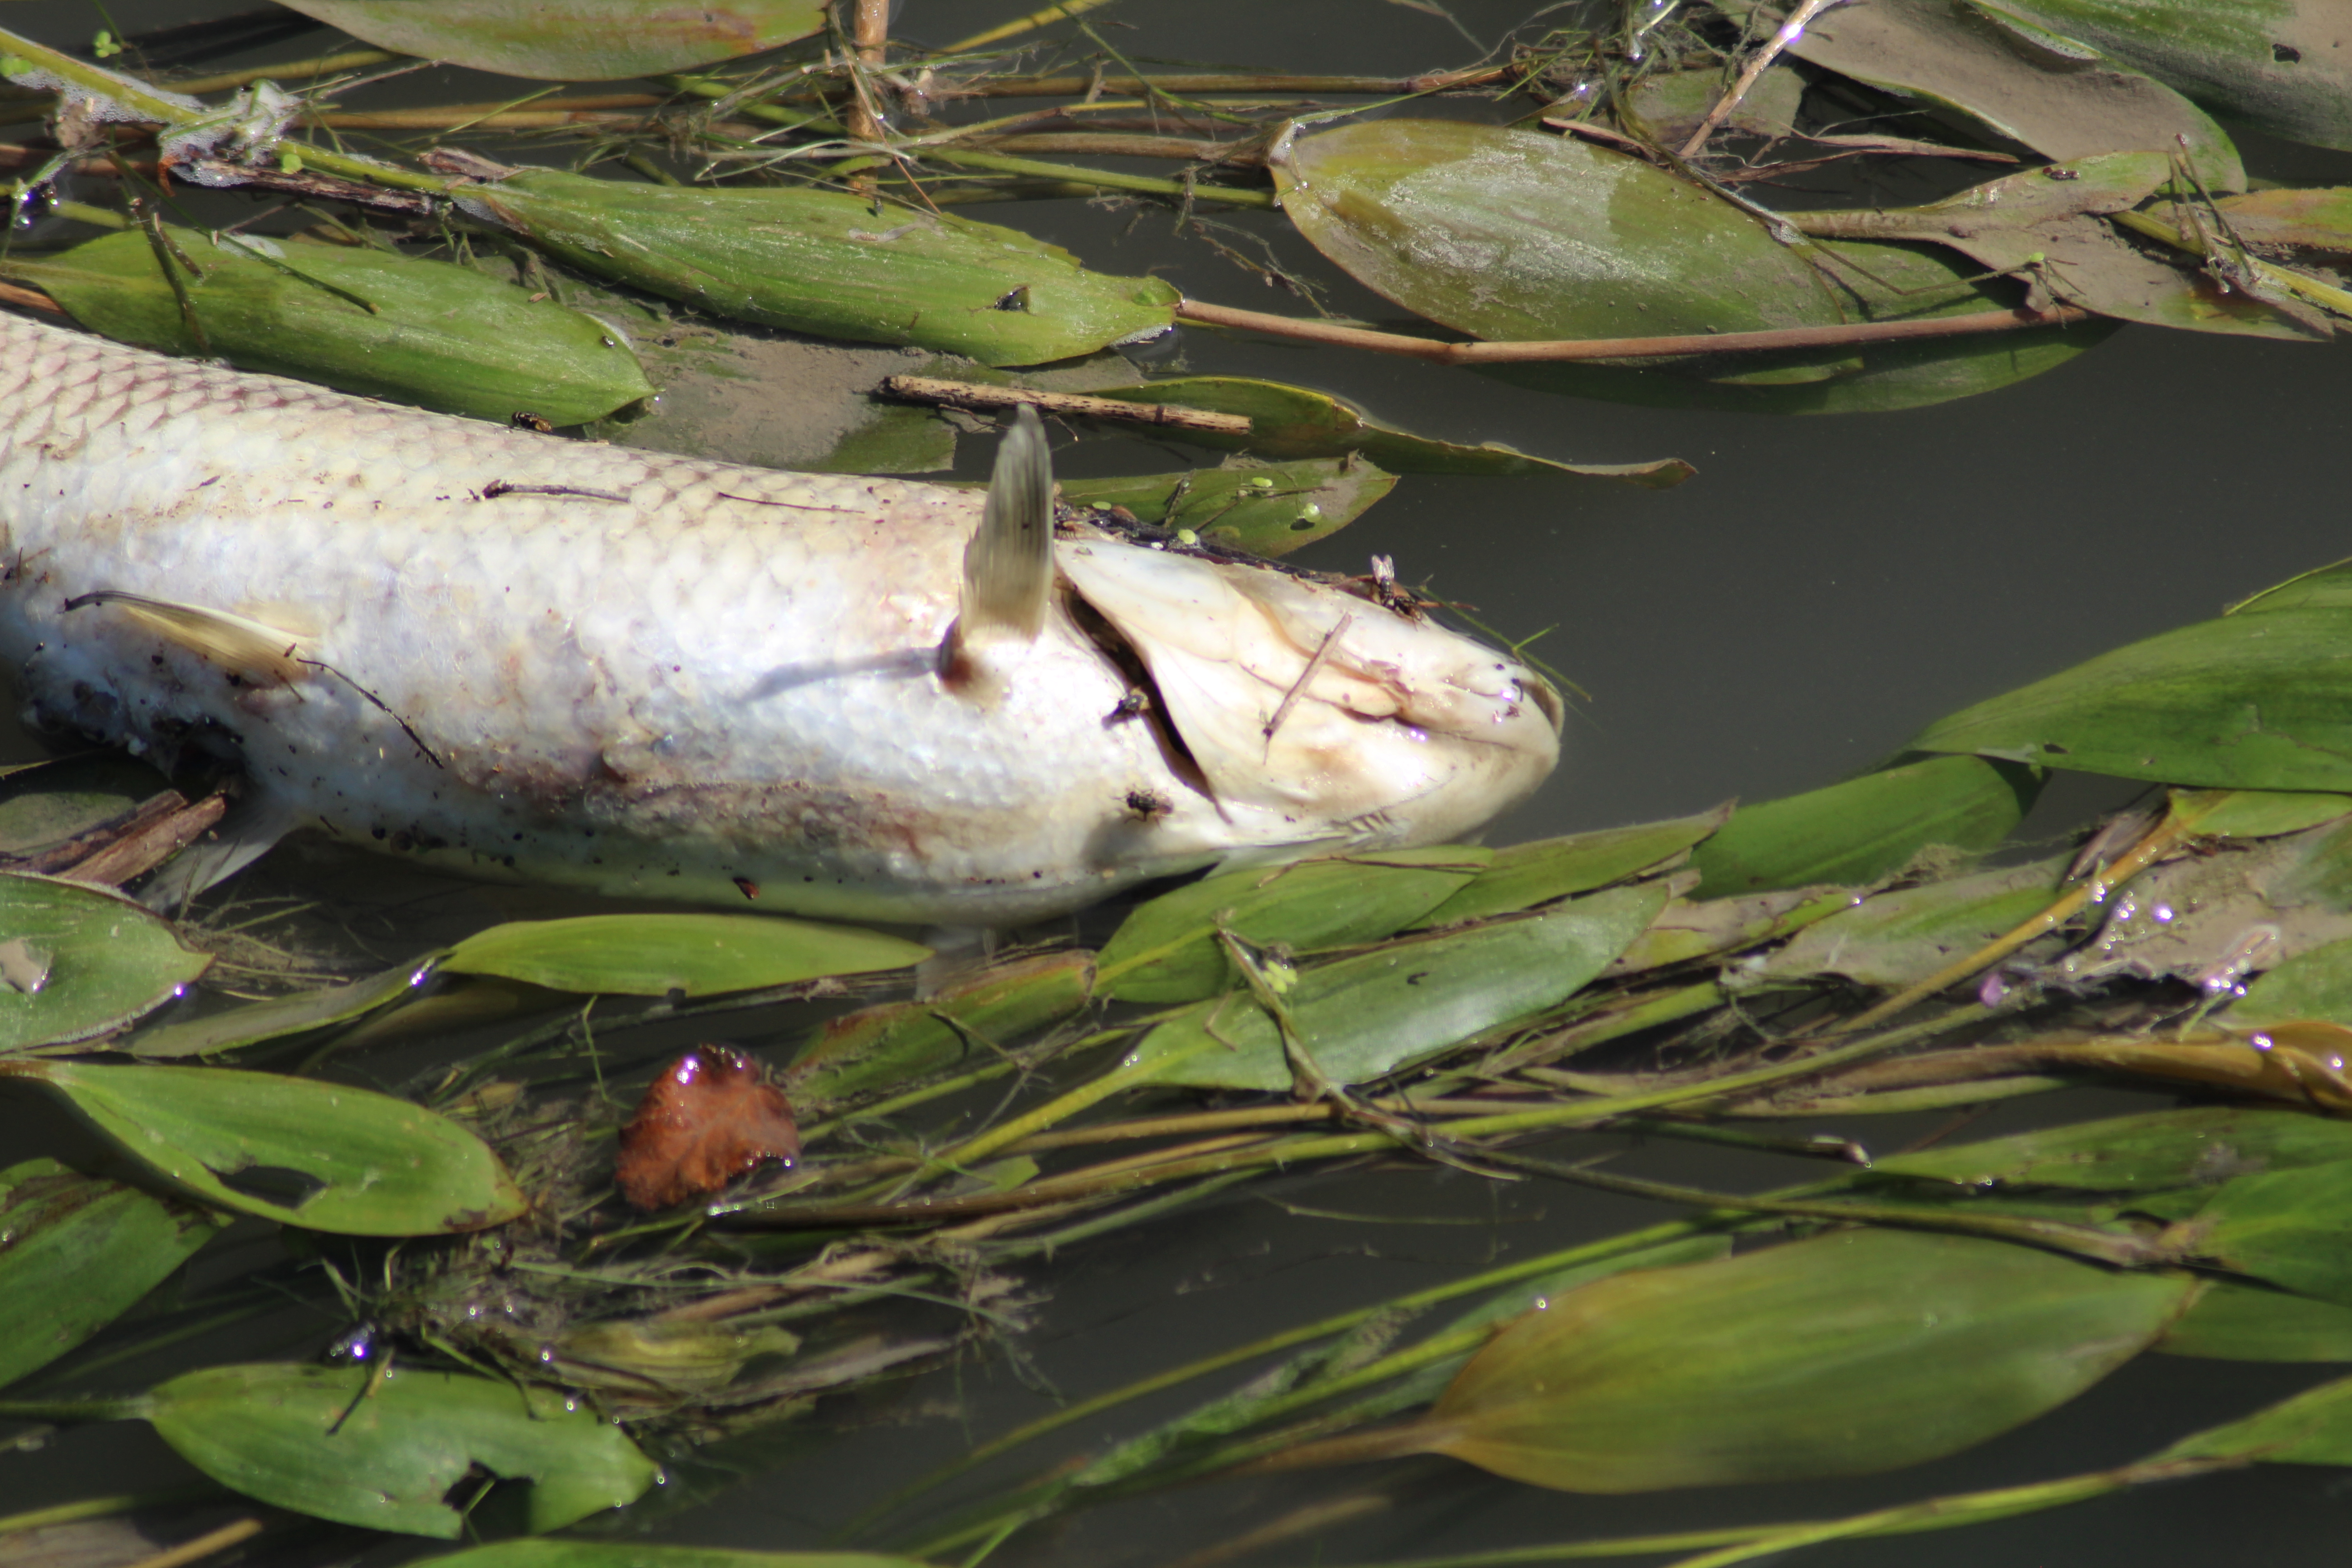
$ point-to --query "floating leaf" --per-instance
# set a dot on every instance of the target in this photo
(2165, 1149)
(2062, 101)
(2267, 813)
(1859, 831)
(2309, 219)
(1168, 950)
(45, 803)
(1856, 1352)
(1266, 510)
(706, 1119)
(659, 1361)
(2260, 699)
(898, 1042)
(76, 1252)
(324, 1442)
(2314, 1427)
(108, 961)
(1524, 875)
(1896, 939)
(578, 40)
(825, 262)
(438, 334)
(324, 1156)
(2233, 1321)
(1297, 422)
(654, 954)
(2292, 1229)
(2276, 65)
(637, 1555)
(2314, 984)
(1366, 1016)
(1509, 235)
(280, 1017)
(1686, 929)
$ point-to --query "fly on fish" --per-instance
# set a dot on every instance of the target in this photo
(519, 655)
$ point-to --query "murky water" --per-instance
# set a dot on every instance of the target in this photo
(1825, 587)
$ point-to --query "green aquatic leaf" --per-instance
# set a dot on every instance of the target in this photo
(44, 804)
(1298, 421)
(1267, 511)
(825, 262)
(1513, 235)
(1893, 940)
(322, 1441)
(2291, 1228)
(2317, 219)
(2203, 1146)
(1366, 1016)
(2233, 1321)
(2315, 983)
(85, 959)
(1854, 1352)
(2035, 85)
(654, 954)
(1522, 876)
(2268, 812)
(297, 1013)
(2261, 698)
(1168, 950)
(438, 335)
(2279, 66)
(2314, 1427)
(576, 40)
(323, 1156)
(1858, 831)
(541, 1554)
(78, 1251)
(898, 1042)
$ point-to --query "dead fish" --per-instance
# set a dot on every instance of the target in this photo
(653, 676)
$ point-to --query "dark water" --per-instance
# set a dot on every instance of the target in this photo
(1822, 590)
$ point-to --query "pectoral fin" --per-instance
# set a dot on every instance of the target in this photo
(260, 653)
(1008, 567)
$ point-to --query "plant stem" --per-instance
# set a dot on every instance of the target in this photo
(1231, 82)
(1143, 185)
(1846, 334)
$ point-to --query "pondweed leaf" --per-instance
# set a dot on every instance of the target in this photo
(439, 335)
(635, 1554)
(295, 1013)
(1365, 1016)
(1895, 939)
(2306, 219)
(323, 1156)
(2290, 1229)
(578, 40)
(2314, 1427)
(1522, 876)
(2199, 1146)
(1854, 1352)
(44, 804)
(2234, 1321)
(76, 1252)
(825, 262)
(2063, 102)
(900, 1043)
(1267, 511)
(2276, 65)
(1511, 235)
(1856, 832)
(1168, 950)
(95, 961)
(322, 1441)
(1298, 421)
(2313, 984)
(654, 954)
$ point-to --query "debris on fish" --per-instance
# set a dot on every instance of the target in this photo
(517, 656)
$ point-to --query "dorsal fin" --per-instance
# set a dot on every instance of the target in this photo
(1008, 567)
(260, 653)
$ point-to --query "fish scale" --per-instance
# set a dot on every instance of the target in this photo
(650, 675)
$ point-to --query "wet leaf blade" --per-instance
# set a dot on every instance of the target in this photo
(653, 955)
(822, 262)
(1856, 832)
(109, 960)
(1522, 876)
(2232, 1321)
(2161, 1149)
(580, 40)
(1167, 950)
(541, 1553)
(280, 1017)
(1896, 939)
(1854, 1352)
(400, 1446)
(2316, 984)
(2314, 1427)
(898, 1043)
(1365, 1016)
(319, 1156)
(2248, 701)
(78, 1251)
(1270, 510)
(2289, 1228)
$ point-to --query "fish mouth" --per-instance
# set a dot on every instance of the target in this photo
(1305, 713)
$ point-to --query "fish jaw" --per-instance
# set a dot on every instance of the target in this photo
(1317, 718)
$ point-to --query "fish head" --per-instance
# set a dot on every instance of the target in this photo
(1314, 717)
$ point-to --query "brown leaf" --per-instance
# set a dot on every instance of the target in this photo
(709, 1118)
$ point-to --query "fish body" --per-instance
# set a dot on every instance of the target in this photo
(656, 675)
